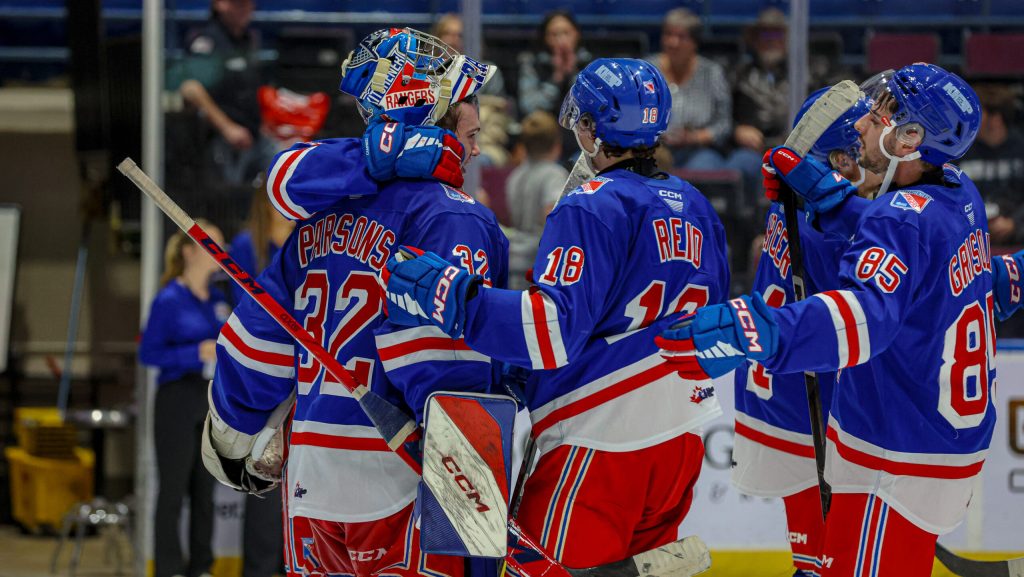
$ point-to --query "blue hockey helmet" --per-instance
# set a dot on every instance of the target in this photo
(409, 76)
(929, 107)
(627, 100)
(841, 134)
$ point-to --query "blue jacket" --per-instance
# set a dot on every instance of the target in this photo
(178, 322)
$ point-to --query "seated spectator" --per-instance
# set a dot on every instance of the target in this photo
(531, 192)
(701, 100)
(220, 78)
(547, 74)
(996, 164)
(761, 97)
(495, 106)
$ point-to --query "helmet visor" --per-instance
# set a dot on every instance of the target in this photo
(569, 115)
(879, 95)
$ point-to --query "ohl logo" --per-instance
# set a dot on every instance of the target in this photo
(701, 393)
(299, 491)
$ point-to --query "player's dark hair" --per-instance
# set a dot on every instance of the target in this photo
(638, 151)
(450, 120)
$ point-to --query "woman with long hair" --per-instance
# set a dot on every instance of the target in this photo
(180, 340)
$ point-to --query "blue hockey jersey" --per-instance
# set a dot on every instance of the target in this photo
(618, 255)
(339, 468)
(912, 329)
(773, 452)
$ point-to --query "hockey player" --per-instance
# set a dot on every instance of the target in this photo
(1007, 271)
(773, 454)
(613, 426)
(911, 328)
(349, 497)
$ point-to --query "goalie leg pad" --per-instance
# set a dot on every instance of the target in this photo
(467, 464)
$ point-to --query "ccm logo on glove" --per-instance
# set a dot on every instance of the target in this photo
(748, 325)
(441, 293)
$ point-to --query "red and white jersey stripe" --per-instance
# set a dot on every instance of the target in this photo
(771, 461)
(931, 490)
(637, 406)
(268, 357)
(420, 344)
(542, 331)
(277, 181)
(854, 344)
(326, 458)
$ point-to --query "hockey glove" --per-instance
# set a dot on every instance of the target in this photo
(255, 469)
(821, 187)
(717, 338)
(393, 149)
(424, 289)
(770, 179)
(1007, 283)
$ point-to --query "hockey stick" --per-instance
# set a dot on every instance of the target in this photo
(391, 422)
(972, 568)
(826, 110)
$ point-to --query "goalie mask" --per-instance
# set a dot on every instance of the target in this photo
(409, 76)
(927, 107)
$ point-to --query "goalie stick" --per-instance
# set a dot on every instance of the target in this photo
(393, 424)
(826, 110)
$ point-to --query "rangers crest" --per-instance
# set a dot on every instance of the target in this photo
(456, 194)
(914, 200)
(591, 186)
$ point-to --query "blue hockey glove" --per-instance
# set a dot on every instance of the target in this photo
(717, 338)
(424, 289)
(393, 149)
(1007, 283)
(821, 187)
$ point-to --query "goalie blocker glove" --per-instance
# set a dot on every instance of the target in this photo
(822, 188)
(424, 289)
(393, 149)
(718, 338)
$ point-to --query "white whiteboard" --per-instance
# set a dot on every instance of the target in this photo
(10, 217)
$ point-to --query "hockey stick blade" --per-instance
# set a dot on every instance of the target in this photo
(972, 568)
(394, 425)
(686, 557)
(821, 115)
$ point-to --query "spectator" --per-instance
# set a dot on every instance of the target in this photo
(532, 190)
(222, 76)
(701, 102)
(180, 340)
(494, 103)
(761, 97)
(996, 164)
(253, 249)
(546, 75)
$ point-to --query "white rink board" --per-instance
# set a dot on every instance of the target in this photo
(727, 520)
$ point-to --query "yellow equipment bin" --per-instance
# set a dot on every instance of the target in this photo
(49, 473)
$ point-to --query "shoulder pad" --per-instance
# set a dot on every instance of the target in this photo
(915, 200)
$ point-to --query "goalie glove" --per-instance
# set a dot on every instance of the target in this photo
(393, 149)
(718, 338)
(248, 463)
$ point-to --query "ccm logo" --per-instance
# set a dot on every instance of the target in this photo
(467, 487)
(441, 293)
(747, 323)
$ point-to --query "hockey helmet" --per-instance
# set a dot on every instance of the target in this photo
(929, 107)
(841, 134)
(409, 76)
(627, 100)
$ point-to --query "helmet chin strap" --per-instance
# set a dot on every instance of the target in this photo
(586, 153)
(863, 175)
(894, 161)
